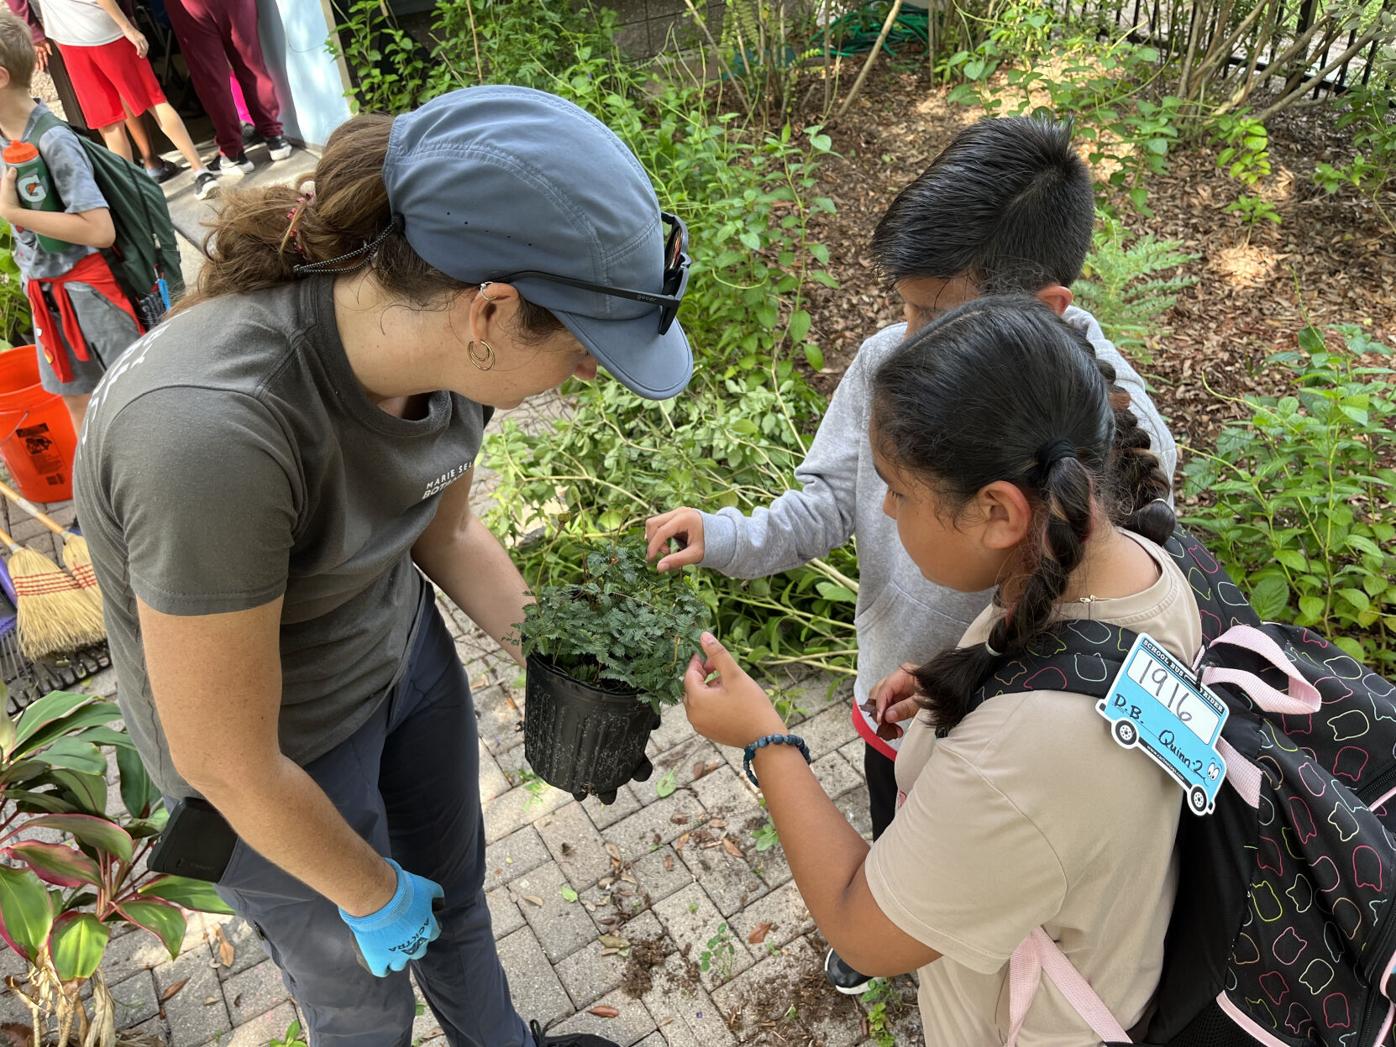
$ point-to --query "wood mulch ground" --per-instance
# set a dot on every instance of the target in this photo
(1331, 260)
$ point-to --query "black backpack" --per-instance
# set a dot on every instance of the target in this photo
(1283, 932)
(146, 250)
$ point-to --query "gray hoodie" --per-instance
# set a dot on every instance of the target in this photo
(900, 617)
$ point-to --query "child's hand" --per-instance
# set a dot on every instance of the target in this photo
(9, 194)
(684, 524)
(138, 40)
(733, 709)
(895, 696)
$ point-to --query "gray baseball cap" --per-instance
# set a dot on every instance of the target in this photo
(489, 182)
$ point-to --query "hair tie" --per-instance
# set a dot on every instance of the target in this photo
(356, 259)
(1049, 455)
(293, 234)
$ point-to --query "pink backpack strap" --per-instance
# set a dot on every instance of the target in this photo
(1302, 696)
(1038, 955)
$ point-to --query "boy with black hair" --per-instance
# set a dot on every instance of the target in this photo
(82, 319)
(1006, 206)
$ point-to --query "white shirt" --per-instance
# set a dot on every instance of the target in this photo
(78, 23)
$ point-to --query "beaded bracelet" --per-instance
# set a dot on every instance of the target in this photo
(771, 739)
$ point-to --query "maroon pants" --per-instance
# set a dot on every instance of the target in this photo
(215, 35)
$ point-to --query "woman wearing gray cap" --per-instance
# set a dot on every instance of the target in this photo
(265, 478)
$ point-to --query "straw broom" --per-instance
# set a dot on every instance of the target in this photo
(54, 614)
(76, 557)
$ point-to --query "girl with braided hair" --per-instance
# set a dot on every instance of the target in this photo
(1012, 463)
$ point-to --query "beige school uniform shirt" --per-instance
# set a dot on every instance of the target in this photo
(1029, 814)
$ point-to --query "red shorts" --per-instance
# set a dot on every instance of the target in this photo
(107, 75)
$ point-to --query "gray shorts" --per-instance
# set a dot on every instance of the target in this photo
(108, 331)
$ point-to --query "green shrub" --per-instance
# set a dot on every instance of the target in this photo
(1302, 492)
(1128, 288)
(1372, 167)
(16, 325)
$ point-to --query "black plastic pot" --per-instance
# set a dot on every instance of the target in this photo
(582, 738)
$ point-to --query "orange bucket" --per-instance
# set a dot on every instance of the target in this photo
(36, 431)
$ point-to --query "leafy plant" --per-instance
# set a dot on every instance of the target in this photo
(720, 954)
(534, 786)
(1301, 494)
(292, 1037)
(621, 625)
(470, 42)
(390, 68)
(766, 836)
(1372, 167)
(58, 900)
(1246, 158)
(875, 999)
(16, 324)
(1128, 284)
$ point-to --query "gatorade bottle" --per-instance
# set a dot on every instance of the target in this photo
(35, 189)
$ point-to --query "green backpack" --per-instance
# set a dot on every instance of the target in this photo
(145, 257)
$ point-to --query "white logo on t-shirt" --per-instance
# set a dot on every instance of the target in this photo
(447, 478)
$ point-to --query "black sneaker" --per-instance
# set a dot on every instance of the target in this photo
(843, 977)
(205, 184)
(163, 172)
(250, 135)
(231, 165)
(279, 148)
(576, 1039)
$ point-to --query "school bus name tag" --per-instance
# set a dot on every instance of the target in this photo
(1156, 705)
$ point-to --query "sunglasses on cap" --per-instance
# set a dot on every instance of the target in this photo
(676, 263)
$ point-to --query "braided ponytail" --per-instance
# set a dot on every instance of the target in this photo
(1139, 488)
(1002, 389)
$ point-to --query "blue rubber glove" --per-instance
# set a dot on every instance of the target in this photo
(402, 929)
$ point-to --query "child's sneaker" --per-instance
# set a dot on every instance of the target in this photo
(163, 171)
(279, 148)
(223, 164)
(843, 977)
(205, 184)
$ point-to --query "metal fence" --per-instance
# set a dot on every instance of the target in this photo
(1330, 34)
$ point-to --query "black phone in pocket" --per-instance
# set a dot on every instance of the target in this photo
(197, 842)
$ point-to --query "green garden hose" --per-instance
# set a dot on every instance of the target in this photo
(856, 31)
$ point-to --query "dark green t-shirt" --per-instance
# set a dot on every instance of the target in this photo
(230, 457)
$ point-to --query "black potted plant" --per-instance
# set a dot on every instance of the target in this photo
(605, 654)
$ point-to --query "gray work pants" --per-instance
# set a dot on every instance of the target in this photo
(408, 782)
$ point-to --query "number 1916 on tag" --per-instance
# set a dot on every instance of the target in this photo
(1156, 705)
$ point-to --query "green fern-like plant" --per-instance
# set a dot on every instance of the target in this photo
(1128, 284)
(623, 625)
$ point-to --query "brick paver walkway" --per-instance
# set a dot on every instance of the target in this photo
(686, 928)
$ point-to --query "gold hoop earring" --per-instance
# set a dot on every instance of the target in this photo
(483, 360)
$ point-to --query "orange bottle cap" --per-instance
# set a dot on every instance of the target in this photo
(19, 152)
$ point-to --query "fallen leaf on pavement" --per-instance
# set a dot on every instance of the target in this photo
(173, 988)
(226, 953)
(604, 1011)
(758, 934)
